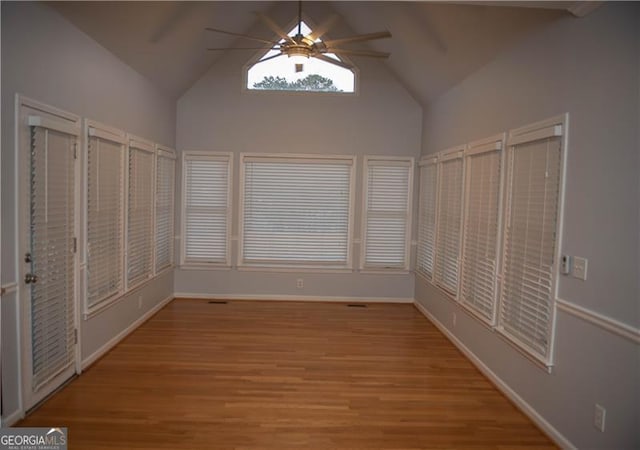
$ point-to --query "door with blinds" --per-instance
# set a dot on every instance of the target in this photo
(48, 145)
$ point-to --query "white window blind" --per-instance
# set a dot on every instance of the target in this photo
(206, 208)
(481, 227)
(51, 246)
(164, 211)
(105, 214)
(387, 212)
(531, 232)
(296, 210)
(140, 213)
(427, 217)
(446, 271)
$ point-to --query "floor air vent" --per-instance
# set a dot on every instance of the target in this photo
(217, 302)
(356, 305)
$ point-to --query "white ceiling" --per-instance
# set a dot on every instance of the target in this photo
(434, 45)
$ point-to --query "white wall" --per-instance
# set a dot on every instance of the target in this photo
(216, 115)
(47, 59)
(588, 67)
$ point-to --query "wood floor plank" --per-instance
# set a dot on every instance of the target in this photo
(286, 375)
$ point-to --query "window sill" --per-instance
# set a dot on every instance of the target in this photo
(294, 269)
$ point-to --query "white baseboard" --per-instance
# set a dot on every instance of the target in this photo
(294, 298)
(12, 418)
(527, 409)
(124, 333)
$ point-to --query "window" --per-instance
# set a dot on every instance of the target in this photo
(427, 217)
(483, 172)
(164, 211)
(449, 220)
(207, 209)
(535, 165)
(105, 213)
(277, 73)
(388, 184)
(140, 212)
(295, 210)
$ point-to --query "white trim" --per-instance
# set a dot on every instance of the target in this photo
(489, 144)
(105, 132)
(503, 387)
(600, 320)
(428, 160)
(452, 153)
(9, 288)
(140, 143)
(293, 269)
(13, 418)
(124, 333)
(293, 298)
(43, 122)
(165, 152)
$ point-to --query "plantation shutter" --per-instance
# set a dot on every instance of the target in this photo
(165, 184)
(105, 200)
(533, 197)
(427, 217)
(296, 210)
(140, 213)
(51, 247)
(449, 222)
(206, 209)
(480, 250)
(388, 194)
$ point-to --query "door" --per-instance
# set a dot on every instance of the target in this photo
(49, 171)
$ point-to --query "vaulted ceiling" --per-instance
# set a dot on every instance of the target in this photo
(434, 45)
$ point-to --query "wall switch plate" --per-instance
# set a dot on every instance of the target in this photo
(299, 283)
(565, 265)
(580, 267)
(599, 417)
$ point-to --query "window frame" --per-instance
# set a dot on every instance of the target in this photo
(142, 144)
(349, 160)
(431, 160)
(557, 126)
(164, 152)
(261, 53)
(119, 137)
(217, 156)
(399, 161)
(444, 157)
(494, 143)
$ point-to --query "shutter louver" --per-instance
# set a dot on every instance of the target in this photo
(140, 216)
(387, 213)
(51, 244)
(296, 211)
(446, 271)
(530, 239)
(105, 199)
(206, 209)
(427, 218)
(165, 184)
(479, 264)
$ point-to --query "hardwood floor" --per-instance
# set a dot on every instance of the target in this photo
(283, 375)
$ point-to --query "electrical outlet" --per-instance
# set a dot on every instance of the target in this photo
(599, 417)
(299, 283)
(140, 302)
(454, 319)
(580, 267)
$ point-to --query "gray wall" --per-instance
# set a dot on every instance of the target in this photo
(47, 59)
(588, 67)
(216, 115)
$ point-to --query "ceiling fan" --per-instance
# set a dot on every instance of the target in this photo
(299, 47)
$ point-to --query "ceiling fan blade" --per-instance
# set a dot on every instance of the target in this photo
(274, 27)
(358, 38)
(373, 54)
(325, 58)
(244, 48)
(321, 29)
(270, 57)
(246, 36)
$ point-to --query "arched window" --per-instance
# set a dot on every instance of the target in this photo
(279, 74)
